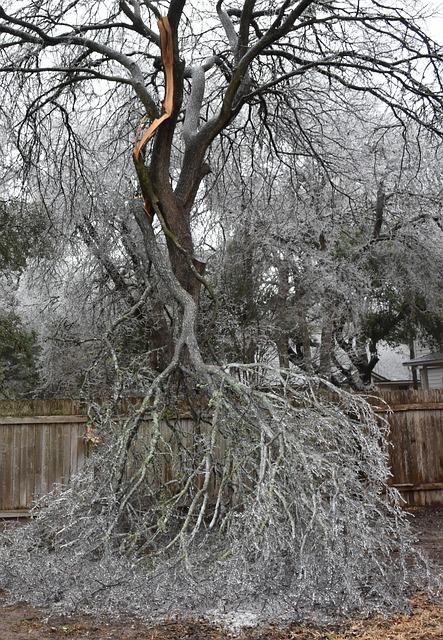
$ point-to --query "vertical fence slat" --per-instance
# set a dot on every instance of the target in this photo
(39, 461)
(15, 469)
(6, 460)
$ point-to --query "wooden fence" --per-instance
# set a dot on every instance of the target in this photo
(42, 443)
(416, 434)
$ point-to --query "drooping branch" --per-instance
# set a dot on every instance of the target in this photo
(89, 236)
(198, 80)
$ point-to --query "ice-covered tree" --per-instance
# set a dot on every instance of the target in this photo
(278, 496)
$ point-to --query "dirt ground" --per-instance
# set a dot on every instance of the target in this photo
(425, 622)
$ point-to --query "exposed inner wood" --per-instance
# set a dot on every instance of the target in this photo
(167, 53)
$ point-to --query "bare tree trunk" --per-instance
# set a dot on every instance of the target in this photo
(282, 333)
(305, 337)
(361, 361)
(414, 369)
(379, 210)
(327, 339)
(186, 346)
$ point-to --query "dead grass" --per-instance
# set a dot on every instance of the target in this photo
(425, 622)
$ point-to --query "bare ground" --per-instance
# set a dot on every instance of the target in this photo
(424, 622)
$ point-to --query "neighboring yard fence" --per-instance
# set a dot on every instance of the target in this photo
(416, 456)
(42, 442)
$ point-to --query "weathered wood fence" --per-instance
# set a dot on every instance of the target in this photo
(42, 443)
(416, 434)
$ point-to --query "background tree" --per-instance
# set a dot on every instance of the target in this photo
(23, 240)
(18, 354)
(351, 242)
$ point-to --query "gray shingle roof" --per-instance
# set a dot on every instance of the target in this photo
(429, 358)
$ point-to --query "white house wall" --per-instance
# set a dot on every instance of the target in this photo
(435, 378)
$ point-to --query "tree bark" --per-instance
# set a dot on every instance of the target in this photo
(414, 369)
(282, 333)
(305, 337)
(326, 346)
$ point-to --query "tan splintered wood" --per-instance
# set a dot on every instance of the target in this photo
(167, 53)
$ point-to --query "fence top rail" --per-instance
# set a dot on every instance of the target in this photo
(56, 406)
(43, 420)
(52, 407)
(408, 396)
(417, 406)
(65, 407)
(383, 401)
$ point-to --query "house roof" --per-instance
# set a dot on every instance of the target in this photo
(379, 379)
(390, 366)
(429, 358)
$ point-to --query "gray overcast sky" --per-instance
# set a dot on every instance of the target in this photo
(435, 25)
